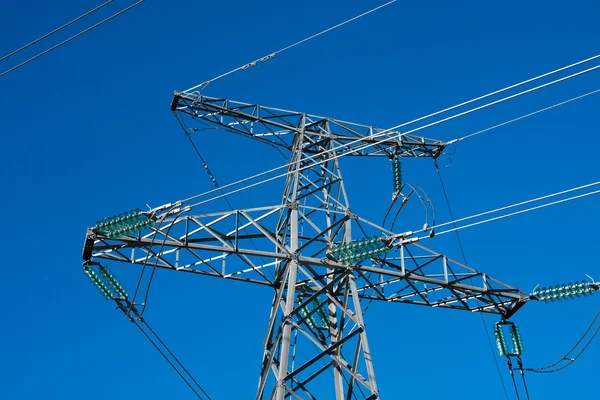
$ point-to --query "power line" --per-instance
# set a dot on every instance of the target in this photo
(430, 115)
(522, 203)
(272, 55)
(513, 213)
(550, 368)
(512, 375)
(520, 363)
(55, 30)
(71, 38)
(164, 355)
(213, 179)
(462, 250)
(374, 143)
(525, 116)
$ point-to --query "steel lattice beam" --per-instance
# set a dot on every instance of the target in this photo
(279, 127)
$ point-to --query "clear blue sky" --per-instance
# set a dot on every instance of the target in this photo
(87, 132)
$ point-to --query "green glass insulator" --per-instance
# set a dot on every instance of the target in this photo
(563, 295)
(115, 233)
(109, 228)
(560, 289)
(556, 289)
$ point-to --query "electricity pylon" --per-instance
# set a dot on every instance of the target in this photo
(319, 257)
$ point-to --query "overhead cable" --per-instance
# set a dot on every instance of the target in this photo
(524, 116)
(522, 203)
(464, 255)
(214, 181)
(71, 38)
(273, 54)
(173, 361)
(384, 132)
(512, 214)
(56, 30)
(432, 115)
(567, 357)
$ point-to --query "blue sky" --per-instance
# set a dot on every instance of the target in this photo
(87, 132)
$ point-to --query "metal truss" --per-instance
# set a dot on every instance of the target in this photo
(279, 127)
(316, 328)
(222, 245)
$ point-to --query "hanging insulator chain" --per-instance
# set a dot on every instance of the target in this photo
(516, 340)
(397, 174)
(114, 282)
(98, 283)
(500, 340)
(311, 311)
(517, 347)
(106, 282)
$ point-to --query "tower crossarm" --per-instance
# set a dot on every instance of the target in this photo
(278, 127)
(420, 276)
(237, 245)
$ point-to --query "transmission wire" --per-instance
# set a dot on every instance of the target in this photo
(71, 38)
(271, 55)
(520, 363)
(524, 116)
(462, 250)
(438, 112)
(134, 320)
(137, 286)
(216, 184)
(154, 267)
(547, 368)
(333, 157)
(519, 204)
(514, 213)
(176, 359)
(55, 30)
(355, 141)
(512, 375)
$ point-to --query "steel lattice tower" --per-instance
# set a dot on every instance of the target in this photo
(319, 258)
